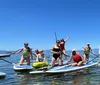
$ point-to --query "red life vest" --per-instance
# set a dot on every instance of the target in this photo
(77, 58)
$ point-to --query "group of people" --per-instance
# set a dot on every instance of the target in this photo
(57, 50)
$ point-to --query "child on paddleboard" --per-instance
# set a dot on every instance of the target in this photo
(77, 58)
(27, 52)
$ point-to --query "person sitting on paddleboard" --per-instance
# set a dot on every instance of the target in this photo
(27, 52)
(87, 51)
(40, 56)
(62, 46)
(56, 53)
(77, 58)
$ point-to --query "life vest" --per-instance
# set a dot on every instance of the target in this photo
(77, 58)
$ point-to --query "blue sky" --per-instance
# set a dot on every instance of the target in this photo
(35, 21)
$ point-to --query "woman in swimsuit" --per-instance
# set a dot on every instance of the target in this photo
(56, 53)
(77, 58)
(26, 53)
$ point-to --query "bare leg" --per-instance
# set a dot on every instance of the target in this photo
(28, 60)
(64, 51)
(60, 60)
(80, 63)
(74, 64)
(53, 62)
(21, 60)
(85, 57)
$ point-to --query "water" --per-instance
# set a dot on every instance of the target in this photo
(89, 76)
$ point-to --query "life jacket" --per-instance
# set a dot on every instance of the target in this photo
(77, 58)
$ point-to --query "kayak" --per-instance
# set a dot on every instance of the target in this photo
(37, 65)
(2, 74)
(64, 68)
(18, 67)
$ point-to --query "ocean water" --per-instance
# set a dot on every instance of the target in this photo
(89, 76)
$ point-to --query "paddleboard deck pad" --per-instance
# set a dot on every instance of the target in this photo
(22, 67)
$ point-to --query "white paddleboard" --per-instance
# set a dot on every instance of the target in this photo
(2, 74)
(72, 68)
(4, 55)
(17, 67)
(65, 68)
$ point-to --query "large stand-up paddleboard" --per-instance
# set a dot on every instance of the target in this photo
(72, 68)
(23, 67)
(2, 74)
(65, 68)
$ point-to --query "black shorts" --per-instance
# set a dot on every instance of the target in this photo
(56, 56)
(87, 56)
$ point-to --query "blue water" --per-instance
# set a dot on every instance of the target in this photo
(89, 76)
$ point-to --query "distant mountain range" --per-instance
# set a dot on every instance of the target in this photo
(46, 51)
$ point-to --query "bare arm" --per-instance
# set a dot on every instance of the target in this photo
(71, 57)
(67, 39)
(54, 51)
(92, 51)
(44, 56)
(18, 51)
(36, 56)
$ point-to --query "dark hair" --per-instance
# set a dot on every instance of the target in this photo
(57, 41)
(73, 52)
(25, 43)
(62, 40)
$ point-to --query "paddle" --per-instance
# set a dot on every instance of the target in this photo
(7, 61)
(94, 58)
(10, 53)
(55, 36)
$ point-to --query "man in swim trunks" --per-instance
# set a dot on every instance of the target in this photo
(27, 52)
(77, 58)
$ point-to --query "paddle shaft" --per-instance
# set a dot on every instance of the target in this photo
(94, 58)
(8, 61)
(55, 36)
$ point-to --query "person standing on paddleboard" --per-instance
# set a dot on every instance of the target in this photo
(62, 46)
(27, 52)
(77, 58)
(56, 53)
(87, 51)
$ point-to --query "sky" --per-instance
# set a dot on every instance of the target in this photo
(36, 21)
